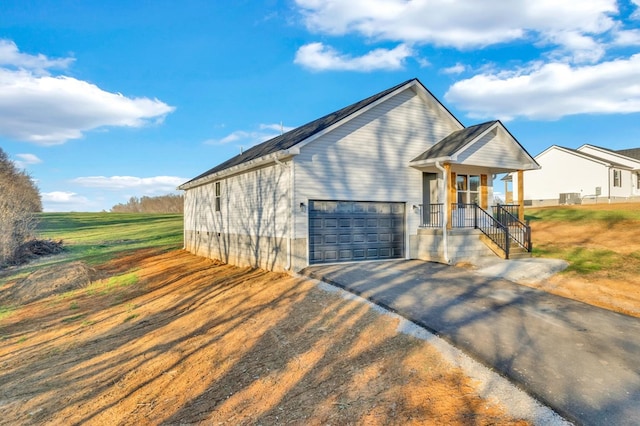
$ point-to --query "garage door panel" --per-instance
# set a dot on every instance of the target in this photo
(330, 223)
(328, 239)
(358, 254)
(348, 231)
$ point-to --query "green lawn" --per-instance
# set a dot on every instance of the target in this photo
(582, 260)
(610, 215)
(96, 237)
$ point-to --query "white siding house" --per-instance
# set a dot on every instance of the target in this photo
(586, 174)
(357, 184)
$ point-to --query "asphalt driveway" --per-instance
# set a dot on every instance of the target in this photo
(582, 361)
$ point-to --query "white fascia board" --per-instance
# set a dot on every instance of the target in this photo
(532, 166)
(586, 156)
(243, 167)
(609, 152)
(432, 161)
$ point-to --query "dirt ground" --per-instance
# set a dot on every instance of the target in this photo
(617, 289)
(171, 338)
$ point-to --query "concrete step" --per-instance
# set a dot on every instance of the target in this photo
(515, 251)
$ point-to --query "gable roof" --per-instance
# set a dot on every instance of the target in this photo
(454, 142)
(451, 147)
(294, 137)
(586, 156)
(631, 153)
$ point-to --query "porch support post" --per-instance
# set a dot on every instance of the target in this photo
(521, 195)
(484, 192)
(452, 193)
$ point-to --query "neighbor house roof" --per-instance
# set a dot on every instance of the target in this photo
(586, 156)
(454, 142)
(291, 138)
(631, 153)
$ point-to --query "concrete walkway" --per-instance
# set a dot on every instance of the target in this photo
(582, 361)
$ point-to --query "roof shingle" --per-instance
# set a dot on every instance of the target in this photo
(454, 142)
(299, 134)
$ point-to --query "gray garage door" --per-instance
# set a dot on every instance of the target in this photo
(346, 231)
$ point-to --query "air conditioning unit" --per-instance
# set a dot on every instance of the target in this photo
(569, 198)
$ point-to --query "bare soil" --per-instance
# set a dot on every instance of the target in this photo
(616, 289)
(179, 339)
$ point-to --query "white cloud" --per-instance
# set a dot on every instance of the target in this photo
(551, 91)
(11, 56)
(456, 69)
(468, 24)
(25, 160)
(636, 13)
(49, 110)
(248, 138)
(65, 201)
(60, 197)
(627, 38)
(576, 47)
(461, 24)
(318, 57)
(148, 185)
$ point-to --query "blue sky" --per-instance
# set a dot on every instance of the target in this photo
(101, 101)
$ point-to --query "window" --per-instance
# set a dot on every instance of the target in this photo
(638, 180)
(468, 189)
(217, 196)
(617, 178)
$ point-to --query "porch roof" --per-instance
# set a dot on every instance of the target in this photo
(476, 146)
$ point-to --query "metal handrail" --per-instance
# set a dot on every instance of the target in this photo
(493, 229)
(518, 231)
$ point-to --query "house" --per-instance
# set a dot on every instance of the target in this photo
(394, 176)
(588, 174)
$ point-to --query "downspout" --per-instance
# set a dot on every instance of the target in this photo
(288, 266)
(445, 222)
(609, 184)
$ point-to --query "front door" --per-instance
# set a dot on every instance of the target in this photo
(429, 196)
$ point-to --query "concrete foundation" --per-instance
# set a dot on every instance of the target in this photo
(270, 253)
(464, 245)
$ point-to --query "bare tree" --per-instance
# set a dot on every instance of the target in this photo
(171, 203)
(19, 202)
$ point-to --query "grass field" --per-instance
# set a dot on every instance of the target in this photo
(592, 238)
(97, 237)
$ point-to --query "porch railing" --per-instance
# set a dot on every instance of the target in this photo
(494, 230)
(518, 231)
(432, 215)
(499, 210)
(503, 227)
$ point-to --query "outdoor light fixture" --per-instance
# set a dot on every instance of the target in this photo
(416, 208)
(302, 206)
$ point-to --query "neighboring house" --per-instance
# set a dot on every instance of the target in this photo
(392, 176)
(587, 174)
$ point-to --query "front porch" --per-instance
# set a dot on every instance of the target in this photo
(457, 208)
(463, 225)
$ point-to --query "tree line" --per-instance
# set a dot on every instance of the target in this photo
(171, 203)
(19, 204)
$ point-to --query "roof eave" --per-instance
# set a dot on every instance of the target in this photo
(432, 161)
(243, 167)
